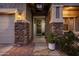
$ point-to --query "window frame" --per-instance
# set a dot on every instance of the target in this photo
(57, 12)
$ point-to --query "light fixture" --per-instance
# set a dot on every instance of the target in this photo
(19, 16)
(39, 6)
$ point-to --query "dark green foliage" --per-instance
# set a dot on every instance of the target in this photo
(72, 51)
(70, 37)
(66, 42)
(51, 38)
(61, 42)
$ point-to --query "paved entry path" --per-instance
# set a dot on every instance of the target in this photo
(41, 48)
(4, 48)
(20, 51)
(37, 48)
(40, 43)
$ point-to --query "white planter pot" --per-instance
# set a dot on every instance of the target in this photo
(51, 46)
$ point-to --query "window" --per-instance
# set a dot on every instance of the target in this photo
(66, 27)
(65, 23)
(68, 23)
(58, 12)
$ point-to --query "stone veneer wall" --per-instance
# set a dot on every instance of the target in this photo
(57, 28)
(21, 32)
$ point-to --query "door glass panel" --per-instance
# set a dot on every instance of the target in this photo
(38, 27)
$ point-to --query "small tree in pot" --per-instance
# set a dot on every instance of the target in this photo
(51, 41)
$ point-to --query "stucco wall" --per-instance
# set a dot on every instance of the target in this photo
(20, 7)
(53, 13)
(55, 24)
(29, 18)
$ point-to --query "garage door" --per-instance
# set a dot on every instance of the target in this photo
(6, 28)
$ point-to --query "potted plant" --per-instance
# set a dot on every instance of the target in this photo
(51, 41)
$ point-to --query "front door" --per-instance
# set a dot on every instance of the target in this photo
(39, 27)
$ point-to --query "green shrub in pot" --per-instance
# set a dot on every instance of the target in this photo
(51, 38)
(51, 41)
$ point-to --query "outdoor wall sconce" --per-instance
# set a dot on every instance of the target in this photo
(19, 16)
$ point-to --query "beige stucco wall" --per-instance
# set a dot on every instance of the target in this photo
(21, 8)
(53, 13)
(14, 8)
(29, 19)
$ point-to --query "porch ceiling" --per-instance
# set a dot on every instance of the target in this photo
(41, 10)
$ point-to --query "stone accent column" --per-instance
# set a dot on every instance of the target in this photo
(21, 32)
(56, 21)
(57, 28)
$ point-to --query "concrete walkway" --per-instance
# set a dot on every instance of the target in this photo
(20, 51)
(36, 48)
(40, 43)
(4, 48)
